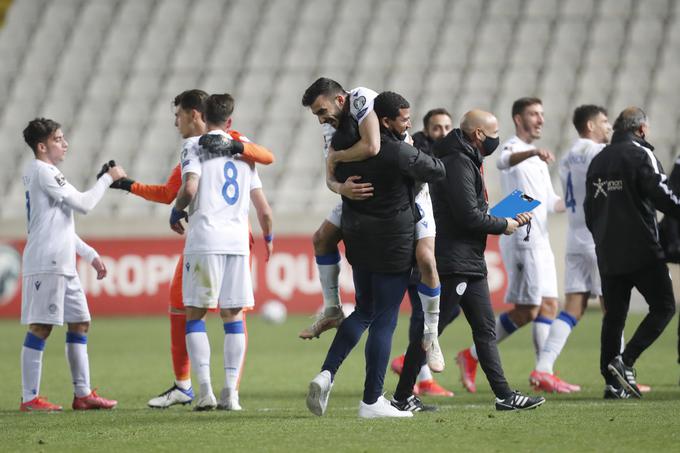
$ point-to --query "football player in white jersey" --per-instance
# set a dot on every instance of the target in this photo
(328, 101)
(51, 291)
(582, 277)
(216, 273)
(528, 258)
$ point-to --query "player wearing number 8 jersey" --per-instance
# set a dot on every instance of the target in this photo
(217, 193)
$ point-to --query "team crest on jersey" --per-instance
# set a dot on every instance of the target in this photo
(359, 102)
(61, 180)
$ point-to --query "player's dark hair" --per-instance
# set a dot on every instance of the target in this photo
(521, 104)
(38, 131)
(321, 86)
(434, 112)
(585, 113)
(388, 103)
(218, 108)
(191, 100)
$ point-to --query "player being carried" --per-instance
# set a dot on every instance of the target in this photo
(189, 109)
(329, 102)
(51, 292)
(217, 191)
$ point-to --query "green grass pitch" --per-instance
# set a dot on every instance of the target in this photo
(130, 361)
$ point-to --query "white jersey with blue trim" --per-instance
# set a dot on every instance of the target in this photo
(52, 242)
(360, 105)
(573, 170)
(532, 177)
(218, 214)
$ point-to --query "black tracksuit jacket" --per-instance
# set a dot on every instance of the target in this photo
(460, 209)
(379, 232)
(625, 185)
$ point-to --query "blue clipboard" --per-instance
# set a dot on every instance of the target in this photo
(515, 203)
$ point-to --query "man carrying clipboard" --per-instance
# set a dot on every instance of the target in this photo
(460, 210)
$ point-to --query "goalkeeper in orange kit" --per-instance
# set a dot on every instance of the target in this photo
(189, 109)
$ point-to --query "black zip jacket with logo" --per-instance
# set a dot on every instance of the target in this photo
(460, 209)
(625, 185)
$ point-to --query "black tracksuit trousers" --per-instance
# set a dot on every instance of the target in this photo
(472, 295)
(654, 283)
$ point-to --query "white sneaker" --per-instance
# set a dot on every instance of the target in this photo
(381, 408)
(319, 391)
(435, 358)
(207, 400)
(173, 395)
(229, 401)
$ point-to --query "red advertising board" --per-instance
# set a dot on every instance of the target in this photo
(140, 270)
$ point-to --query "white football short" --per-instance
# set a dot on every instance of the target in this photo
(425, 228)
(582, 274)
(209, 281)
(335, 216)
(531, 274)
(53, 299)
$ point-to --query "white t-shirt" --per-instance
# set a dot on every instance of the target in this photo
(573, 169)
(218, 214)
(52, 242)
(532, 177)
(360, 105)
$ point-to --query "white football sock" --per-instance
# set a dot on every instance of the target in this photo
(198, 348)
(184, 384)
(540, 330)
(31, 366)
(234, 353)
(425, 374)
(559, 333)
(429, 299)
(329, 270)
(78, 362)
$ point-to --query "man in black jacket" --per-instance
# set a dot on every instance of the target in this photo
(436, 125)
(379, 236)
(625, 186)
(460, 211)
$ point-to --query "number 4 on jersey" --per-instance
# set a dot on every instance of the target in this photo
(569, 200)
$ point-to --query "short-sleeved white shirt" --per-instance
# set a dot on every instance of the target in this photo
(51, 244)
(573, 169)
(532, 177)
(218, 214)
(360, 105)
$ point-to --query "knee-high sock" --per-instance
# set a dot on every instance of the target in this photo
(559, 333)
(540, 330)
(329, 270)
(31, 366)
(234, 353)
(429, 298)
(178, 350)
(78, 362)
(198, 347)
(504, 328)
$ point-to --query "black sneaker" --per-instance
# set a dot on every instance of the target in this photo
(413, 404)
(518, 402)
(612, 392)
(625, 375)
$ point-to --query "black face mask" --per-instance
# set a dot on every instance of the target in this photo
(489, 145)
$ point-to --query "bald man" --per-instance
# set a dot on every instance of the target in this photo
(460, 210)
(625, 186)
